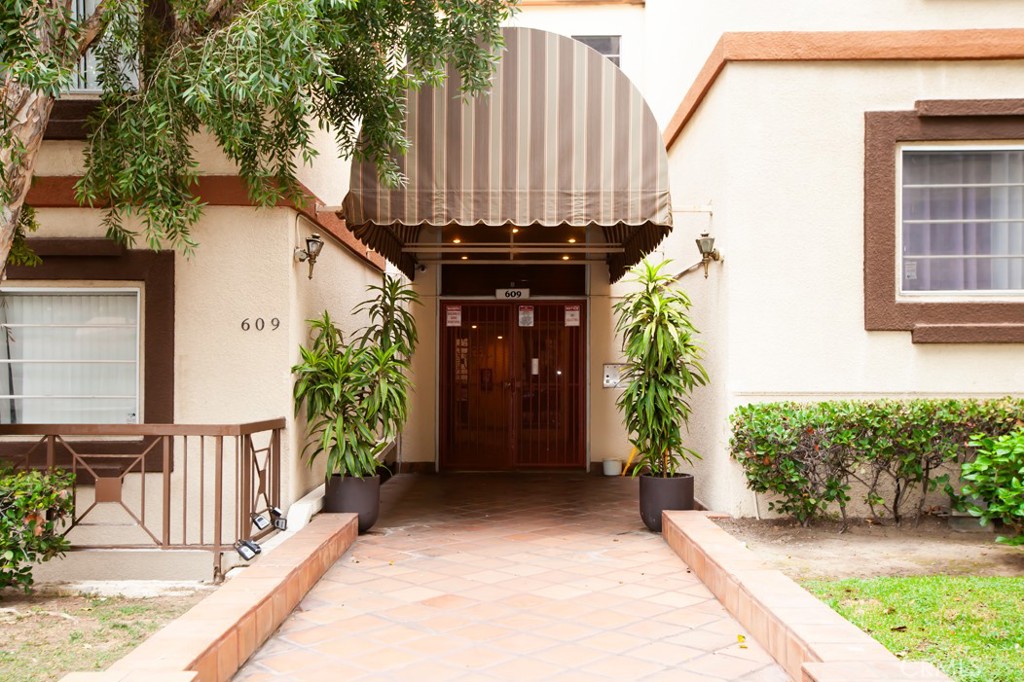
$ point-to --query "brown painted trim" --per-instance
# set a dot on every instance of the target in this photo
(577, 3)
(214, 190)
(968, 333)
(76, 247)
(930, 322)
(966, 44)
(68, 117)
(156, 270)
(969, 107)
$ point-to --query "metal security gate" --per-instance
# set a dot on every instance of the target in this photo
(512, 385)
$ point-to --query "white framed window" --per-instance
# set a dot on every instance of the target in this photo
(961, 210)
(85, 75)
(69, 355)
(606, 45)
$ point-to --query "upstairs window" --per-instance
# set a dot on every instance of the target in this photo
(606, 45)
(85, 75)
(962, 220)
(69, 356)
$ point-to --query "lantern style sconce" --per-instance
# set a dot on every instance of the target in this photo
(314, 245)
(708, 252)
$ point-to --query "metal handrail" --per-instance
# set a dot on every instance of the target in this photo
(212, 479)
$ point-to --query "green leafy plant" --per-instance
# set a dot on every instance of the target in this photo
(662, 368)
(356, 395)
(810, 455)
(996, 479)
(265, 79)
(33, 505)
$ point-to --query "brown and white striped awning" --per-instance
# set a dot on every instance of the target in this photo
(563, 139)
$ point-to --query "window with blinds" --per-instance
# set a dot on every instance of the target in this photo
(69, 356)
(962, 220)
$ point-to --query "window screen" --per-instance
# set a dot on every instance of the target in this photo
(962, 220)
(69, 356)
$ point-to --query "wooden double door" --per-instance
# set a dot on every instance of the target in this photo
(512, 386)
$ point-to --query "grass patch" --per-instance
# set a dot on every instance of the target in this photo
(49, 635)
(972, 628)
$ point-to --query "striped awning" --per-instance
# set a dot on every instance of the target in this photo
(563, 139)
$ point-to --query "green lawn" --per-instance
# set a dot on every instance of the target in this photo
(971, 628)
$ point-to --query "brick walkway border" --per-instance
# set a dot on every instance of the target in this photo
(211, 640)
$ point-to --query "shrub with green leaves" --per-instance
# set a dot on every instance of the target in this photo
(810, 455)
(356, 395)
(996, 479)
(32, 506)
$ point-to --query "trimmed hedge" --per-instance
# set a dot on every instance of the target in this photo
(809, 455)
(32, 506)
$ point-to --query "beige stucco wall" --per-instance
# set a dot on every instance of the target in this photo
(419, 439)
(666, 42)
(777, 151)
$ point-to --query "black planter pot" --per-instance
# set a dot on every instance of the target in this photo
(347, 494)
(658, 494)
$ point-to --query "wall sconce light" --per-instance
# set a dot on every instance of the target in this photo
(314, 245)
(708, 252)
(278, 519)
(247, 549)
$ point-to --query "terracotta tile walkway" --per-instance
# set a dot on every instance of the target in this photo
(510, 577)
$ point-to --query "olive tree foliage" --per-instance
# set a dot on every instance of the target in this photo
(259, 76)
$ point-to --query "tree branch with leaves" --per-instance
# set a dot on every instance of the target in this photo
(259, 76)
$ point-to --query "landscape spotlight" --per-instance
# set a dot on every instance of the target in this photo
(278, 519)
(247, 549)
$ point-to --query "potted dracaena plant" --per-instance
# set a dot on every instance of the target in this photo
(662, 369)
(356, 396)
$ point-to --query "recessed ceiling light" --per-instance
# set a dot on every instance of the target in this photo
(465, 258)
(572, 240)
(472, 326)
(565, 258)
(500, 336)
(456, 241)
(515, 230)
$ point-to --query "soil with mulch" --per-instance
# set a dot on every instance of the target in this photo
(48, 634)
(869, 549)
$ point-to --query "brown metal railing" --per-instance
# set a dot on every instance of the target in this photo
(169, 486)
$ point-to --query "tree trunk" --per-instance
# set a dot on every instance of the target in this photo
(30, 113)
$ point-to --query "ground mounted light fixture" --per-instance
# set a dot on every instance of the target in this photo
(247, 549)
(708, 252)
(314, 245)
(259, 521)
(278, 519)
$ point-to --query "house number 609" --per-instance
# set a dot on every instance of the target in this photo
(259, 324)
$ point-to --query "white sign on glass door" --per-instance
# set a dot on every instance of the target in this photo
(572, 316)
(526, 316)
(453, 316)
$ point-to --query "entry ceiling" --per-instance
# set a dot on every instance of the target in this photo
(561, 162)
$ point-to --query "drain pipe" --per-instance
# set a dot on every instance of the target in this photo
(757, 510)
